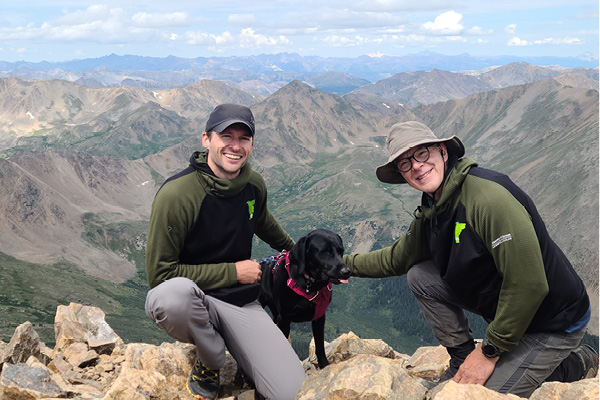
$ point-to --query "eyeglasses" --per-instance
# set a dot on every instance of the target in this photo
(421, 155)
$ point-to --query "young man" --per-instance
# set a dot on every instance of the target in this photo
(477, 243)
(204, 287)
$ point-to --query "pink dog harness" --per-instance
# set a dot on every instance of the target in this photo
(321, 298)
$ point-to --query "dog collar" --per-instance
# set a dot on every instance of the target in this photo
(321, 298)
(285, 255)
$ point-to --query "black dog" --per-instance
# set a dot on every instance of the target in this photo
(296, 285)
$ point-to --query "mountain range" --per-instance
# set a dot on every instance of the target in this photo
(80, 167)
(265, 73)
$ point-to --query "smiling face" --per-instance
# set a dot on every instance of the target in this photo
(228, 151)
(427, 176)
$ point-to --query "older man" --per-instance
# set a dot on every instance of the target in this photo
(477, 243)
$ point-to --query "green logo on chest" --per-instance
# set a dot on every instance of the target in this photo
(458, 228)
(251, 208)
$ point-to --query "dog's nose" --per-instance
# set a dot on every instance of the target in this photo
(345, 271)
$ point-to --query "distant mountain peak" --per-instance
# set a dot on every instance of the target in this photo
(295, 86)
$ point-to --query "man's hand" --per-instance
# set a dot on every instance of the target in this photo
(248, 271)
(476, 368)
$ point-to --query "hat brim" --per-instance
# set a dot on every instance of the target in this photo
(226, 124)
(388, 173)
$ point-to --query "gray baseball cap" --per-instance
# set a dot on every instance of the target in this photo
(406, 135)
(225, 115)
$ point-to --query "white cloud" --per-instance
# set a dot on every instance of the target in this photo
(338, 41)
(511, 29)
(411, 38)
(358, 40)
(203, 38)
(146, 20)
(241, 19)
(515, 41)
(343, 18)
(344, 41)
(249, 38)
(93, 30)
(315, 27)
(297, 31)
(225, 38)
(588, 32)
(398, 5)
(396, 30)
(99, 23)
(448, 23)
(334, 21)
(479, 31)
(93, 13)
(567, 40)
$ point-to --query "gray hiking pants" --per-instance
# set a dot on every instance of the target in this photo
(519, 371)
(186, 314)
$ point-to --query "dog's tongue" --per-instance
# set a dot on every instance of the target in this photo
(343, 280)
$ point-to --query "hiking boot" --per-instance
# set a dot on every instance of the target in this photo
(589, 360)
(457, 357)
(203, 382)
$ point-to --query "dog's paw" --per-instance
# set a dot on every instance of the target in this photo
(322, 363)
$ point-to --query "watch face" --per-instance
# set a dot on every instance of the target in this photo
(489, 350)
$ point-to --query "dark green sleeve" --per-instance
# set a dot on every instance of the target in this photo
(393, 260)
(506, 229)
(173, 213)
(273, 234)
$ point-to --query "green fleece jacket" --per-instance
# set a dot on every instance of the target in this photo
(492, 248)
(201, 225)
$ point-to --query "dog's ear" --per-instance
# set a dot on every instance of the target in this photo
(297, 255)
(339, 239)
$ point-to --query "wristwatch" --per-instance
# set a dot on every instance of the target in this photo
(489, 350)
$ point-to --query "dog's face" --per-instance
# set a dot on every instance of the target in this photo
(317, 259)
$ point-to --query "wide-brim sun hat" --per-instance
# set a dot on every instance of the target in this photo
(406, 135)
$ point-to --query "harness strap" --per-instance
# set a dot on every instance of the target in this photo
(284, 255)
(321, 298)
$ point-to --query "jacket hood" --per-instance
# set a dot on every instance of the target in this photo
(218, 186)
(451, 185)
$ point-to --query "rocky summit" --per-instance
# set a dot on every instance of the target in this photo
(90, 361)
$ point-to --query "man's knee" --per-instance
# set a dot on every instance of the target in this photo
(171, 299)
(286, 389)
(412, 277)
(419, 276)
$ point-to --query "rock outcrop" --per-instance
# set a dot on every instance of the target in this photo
(90, 361)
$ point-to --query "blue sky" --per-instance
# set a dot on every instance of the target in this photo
(62, 30)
